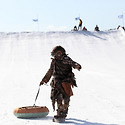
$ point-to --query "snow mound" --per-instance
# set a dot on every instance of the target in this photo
(99, 98)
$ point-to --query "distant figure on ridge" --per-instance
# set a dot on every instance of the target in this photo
(97, 28)
(118, 27)
(75, 28)
(84, 28)
(121, 27)
(80, 25)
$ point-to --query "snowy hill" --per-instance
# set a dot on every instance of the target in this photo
(100, 96)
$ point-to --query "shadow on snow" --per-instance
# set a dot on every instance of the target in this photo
(72, 121)
(83, 122)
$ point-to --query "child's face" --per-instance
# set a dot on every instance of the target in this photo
(58, 54)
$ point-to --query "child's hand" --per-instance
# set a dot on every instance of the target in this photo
(78, 67)
(41, 83)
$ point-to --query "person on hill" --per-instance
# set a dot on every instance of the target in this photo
(121, 27)
(84, 28)
(75, 28)
(118, 27)
(80, 25)
(97, 28)
(63, 80)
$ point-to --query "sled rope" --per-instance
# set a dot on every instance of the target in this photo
(37, 96)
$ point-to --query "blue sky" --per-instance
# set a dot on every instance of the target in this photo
(17, 15)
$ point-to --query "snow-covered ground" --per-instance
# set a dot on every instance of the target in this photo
(100, 96)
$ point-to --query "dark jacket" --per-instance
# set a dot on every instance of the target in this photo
(61, 70)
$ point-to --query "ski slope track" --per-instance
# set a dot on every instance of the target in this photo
(99, 98)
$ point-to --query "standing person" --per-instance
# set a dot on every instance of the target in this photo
(96, 28)
(80, 24)
(63, 79)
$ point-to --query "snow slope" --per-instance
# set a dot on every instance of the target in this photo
(100, 96)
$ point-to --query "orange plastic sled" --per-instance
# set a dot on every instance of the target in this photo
(31, 112)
